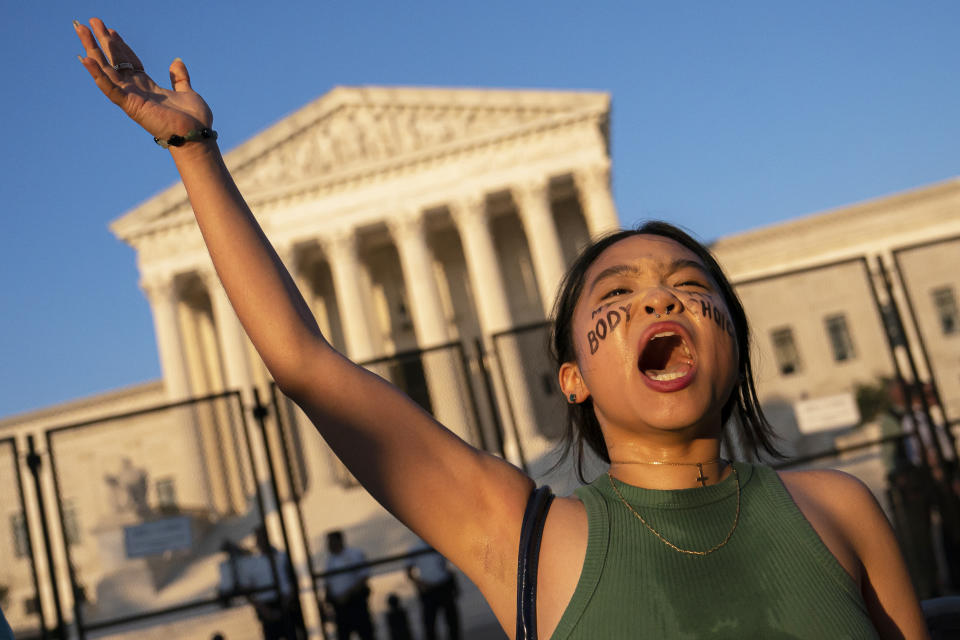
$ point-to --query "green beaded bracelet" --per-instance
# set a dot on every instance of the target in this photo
(192, 136)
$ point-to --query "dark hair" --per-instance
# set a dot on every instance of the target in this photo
(754, 434)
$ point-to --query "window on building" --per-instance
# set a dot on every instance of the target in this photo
(839, 335)
(785, 350)
(166, 494)
(945, 304)
(71, 523)
(18, 526)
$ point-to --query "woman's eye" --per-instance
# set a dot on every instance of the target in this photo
(691, 283)
(615, 292)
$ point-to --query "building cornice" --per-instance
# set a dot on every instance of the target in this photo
(100, 404)
(846, 216)
(877, 225)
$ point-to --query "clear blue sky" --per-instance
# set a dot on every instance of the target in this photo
(726, 116)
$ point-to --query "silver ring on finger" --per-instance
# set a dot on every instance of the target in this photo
(124, 66)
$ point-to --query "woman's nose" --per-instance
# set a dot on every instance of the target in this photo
(659, 303)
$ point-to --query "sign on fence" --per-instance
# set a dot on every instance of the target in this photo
(153, 538)
(826, 413)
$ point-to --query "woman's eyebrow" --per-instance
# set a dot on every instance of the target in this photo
(683, 263)
(615, 270)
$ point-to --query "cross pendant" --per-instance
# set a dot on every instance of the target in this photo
(700, 477)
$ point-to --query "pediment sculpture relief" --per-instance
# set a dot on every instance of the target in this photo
(354, 136)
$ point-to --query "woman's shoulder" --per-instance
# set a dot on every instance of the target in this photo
(838, 496)
(827, 487)
(849, 520)
(840, 508)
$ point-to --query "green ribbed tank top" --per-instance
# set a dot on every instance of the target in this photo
(774, 579)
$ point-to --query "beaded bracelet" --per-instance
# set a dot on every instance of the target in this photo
(192, 136)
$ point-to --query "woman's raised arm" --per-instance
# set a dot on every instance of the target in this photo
(465, 503)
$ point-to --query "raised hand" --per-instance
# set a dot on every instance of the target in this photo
(118, 72)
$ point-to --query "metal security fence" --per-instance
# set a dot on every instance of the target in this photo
(159, 511)
(19, 581)
(532, 397)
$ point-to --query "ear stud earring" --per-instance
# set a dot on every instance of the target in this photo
(572, 398)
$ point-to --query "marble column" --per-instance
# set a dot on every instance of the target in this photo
(596, 199)
(165, 302)
(533, 204)
(164, 299)
(232, 342)
(486, 280)
(444, 378)
(416, 261)
(340, 249)
(230, 336)
(483, 266)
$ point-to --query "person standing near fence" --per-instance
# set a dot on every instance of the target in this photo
(437, 588)
(348, 592)
(253, 576)
(652, 349)
(398, 624)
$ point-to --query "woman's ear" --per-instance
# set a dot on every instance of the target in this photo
(571, 382)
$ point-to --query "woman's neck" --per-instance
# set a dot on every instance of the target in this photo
(681, 466)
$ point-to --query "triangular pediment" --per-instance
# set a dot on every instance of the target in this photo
(352, 128)
(353, 131)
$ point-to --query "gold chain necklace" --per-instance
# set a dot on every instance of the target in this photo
(692, 552)
(702, 479)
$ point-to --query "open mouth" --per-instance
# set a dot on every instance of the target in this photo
(666, 357)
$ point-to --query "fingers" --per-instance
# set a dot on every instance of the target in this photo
(123, 52)
(179, 78)
(104, 82)
(90, 46)
(107, 48)
(103, 38)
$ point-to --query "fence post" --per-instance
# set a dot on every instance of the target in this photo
(918, 381)
(490, 397)
(295, 493)
(260, 412)
(33, 463)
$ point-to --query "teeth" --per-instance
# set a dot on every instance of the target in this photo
(664, 334)
(663, 377)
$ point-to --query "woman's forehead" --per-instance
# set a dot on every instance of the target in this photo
(644, 251)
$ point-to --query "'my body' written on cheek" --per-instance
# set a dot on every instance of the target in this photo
(607, 320)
